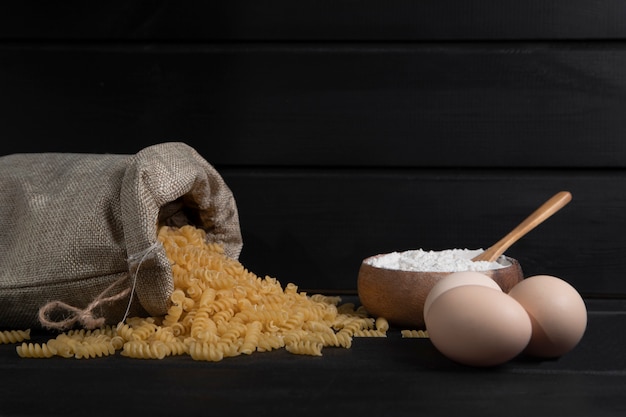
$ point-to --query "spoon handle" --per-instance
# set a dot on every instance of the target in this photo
(547, 209)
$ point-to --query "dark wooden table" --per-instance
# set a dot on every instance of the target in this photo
(376, 376)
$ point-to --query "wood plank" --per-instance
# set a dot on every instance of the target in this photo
(396, 105)
(308, 20)
(314, 228)
(403, 374)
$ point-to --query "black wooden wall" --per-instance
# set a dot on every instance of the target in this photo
(350, 128)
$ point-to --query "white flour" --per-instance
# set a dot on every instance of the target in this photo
(450, 260)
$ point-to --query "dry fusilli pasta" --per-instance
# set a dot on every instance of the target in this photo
(219, 309)
(414, 333)
(14, 336)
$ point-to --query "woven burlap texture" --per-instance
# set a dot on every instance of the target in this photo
(73, 224)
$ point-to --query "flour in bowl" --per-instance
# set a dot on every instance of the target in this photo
(449, 260)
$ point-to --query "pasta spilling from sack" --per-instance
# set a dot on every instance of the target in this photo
(219, 309)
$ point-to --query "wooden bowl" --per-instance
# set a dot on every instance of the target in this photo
(399, 295)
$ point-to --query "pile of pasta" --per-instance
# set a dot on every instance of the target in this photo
(218, 309)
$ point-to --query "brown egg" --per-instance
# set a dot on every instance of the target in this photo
(557, 312)
(456, 279)
(477, 325)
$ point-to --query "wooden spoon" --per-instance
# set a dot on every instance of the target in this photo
(547, 209)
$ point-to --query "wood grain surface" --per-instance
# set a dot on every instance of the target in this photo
(347, 130)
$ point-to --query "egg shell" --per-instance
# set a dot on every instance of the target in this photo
(456, 279)
(557, 312)
(478, 326)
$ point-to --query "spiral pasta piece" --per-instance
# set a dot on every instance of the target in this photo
(414, 333)
(174, 314)
(176, 347)
(34, 350)
(305, 347)
(201, 351)
(381, 324)
(144, 330)
(369, 333)
(94, 348)
(141, 349)
(270, 341)
(14, 336)
(251, 337)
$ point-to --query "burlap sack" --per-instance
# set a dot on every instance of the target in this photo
(78, 232)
